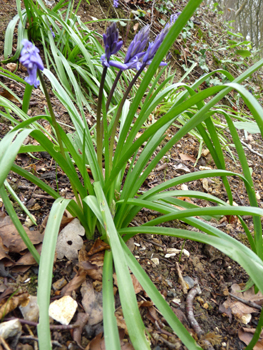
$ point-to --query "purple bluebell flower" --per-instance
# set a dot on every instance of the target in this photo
(174, 17)
(115, 3)
(111, 43)
(32, 61)
(138, 44)
(135, 51)
(154, 46)
(53, 34)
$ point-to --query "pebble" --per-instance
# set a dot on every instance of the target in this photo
(10, 328)
(63, 310)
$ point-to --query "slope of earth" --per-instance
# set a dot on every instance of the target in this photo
(166, 260)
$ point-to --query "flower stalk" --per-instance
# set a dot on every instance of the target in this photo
(53, 118)
(56, 127)
(118, 114)
(99, 126)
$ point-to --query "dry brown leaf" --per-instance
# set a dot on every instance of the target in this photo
(250, 295)
(136, 285)
(83, 254)
(11, 66)
(238, 308)
(81, 321)
(11, 238)
(95, 274)
(28, 259)
(246, 335)
(70, 241)
(3, 251)
(130, 244)
(205, 184)
(75, 283)
(98, 246)
(6, 294)
(226, 311)
(7, 95)
(121, 323)
(187, 157)
(181, 316)
(98, 343)
(12, 303)
(145, 303)
(92, 302)
(95, 261)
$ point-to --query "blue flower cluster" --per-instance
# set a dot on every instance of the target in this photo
(115, 3)
(111, 43)
(136, 56)
(32, 61)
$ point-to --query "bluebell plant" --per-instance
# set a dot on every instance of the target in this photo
(32, 61)
(138, 56)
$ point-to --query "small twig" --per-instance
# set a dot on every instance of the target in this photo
(157, 244)
(181, 280)
(190, 315)
(190, 310)
(251, 150)
(42, 196)
(163, 331)
(34, 324)
(32, 335)
(247, 302)
(242, 203)
(162, 167)
(168, 263)
(24, 187)
(166, 342)
(29, 337)
(4, 343)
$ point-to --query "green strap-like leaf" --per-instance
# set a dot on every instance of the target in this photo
(131, 312)
(46, 269)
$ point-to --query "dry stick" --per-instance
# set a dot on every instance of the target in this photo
(247, 302)
(251, 149)
(4, 343)
(190, 315)
(34, 324)
(31, 334)
(166, 342)
(181, 280)
(190, 310)
(29, 337)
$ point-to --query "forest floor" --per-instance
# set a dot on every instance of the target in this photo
(218, 314)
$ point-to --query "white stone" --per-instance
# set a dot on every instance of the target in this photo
(63, 310)
(10, 328)
(155, 261)
(30, 310)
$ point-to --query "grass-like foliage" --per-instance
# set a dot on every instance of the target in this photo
(120, 162)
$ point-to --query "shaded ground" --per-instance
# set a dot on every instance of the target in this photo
(215, 272)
